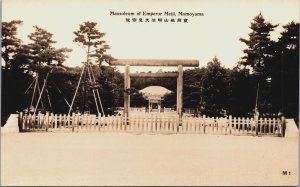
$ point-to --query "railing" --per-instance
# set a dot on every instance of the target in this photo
(159, 123)
(233, 125)
(138, 109)
(144, 109)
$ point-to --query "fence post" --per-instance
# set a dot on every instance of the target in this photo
(148, 123)
(64, 121)
(52, 120)
(248, 124)
(33, 124)
(99, 121)
(269, 125)
(229, 123)
(60, 120)
(55, 121)
(73, 121)
(94, 122)
(243, 124)
(272, 131)
(20, 122)
(49, 120)
(38, 121)
(204, 123)
(77, 121)
(28, 122)
(214, 124)
(256, 124)
(179, 122)
(199, 123)
(46, 120)
(132, 123)
(125, 122)
(283, 126)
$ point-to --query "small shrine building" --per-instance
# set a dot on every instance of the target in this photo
(154, 95)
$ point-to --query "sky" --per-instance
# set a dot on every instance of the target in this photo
(215, 33)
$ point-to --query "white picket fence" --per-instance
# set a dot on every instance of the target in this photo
(151, 124)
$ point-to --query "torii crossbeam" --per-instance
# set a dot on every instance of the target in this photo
(154, 62)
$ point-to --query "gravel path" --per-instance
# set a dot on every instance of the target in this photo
(128, 159)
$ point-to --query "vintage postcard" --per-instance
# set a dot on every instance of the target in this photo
(149, 93)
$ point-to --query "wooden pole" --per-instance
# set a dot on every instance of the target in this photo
(76, 90)
(128, 84)
(34, 89)
(179, 91)
(256, 124)
(155, 62)
(283, 126)
(73, 121)
(126, 87)
(20, 122)
(149, 75)
(177, 94)
(46, 121)
(45, 81)
(92, 81)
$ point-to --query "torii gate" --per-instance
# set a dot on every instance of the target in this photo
(144, 62)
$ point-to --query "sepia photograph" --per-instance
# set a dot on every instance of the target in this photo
(149, 93)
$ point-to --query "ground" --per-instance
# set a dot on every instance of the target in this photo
(128, 159)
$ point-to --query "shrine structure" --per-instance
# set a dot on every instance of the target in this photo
(150, 62)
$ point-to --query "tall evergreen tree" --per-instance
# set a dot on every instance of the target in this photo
(91, 39)
(260, 46)
(242, 92)
(10, 42)
(215, 84)
(42, 49)
(259, 56)
(285, 71)
(193, 88)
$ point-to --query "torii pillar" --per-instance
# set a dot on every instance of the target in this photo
(179, 90)
(126, 87)
(142, 62)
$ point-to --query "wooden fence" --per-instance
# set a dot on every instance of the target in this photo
(152, 124)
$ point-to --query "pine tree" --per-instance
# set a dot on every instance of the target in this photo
(260, 46)
(215, 88)
(10, 42)
(42, 50)
(285, 71)
(90, 38)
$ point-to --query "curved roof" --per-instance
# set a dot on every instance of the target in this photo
(155, 90)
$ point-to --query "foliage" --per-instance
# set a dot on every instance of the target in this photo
(10, 42)
(193, 88)
(112, 84)
(60, 88)
(276, 66)
(137, 99)
(260, 46)
(206, 89)
(285, 71)
(242, 92)
(216, 88)
(41, 49)
(13, 86)
(23, 62)
(212, 90)
(90, 38)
